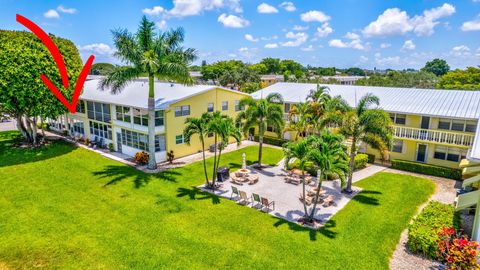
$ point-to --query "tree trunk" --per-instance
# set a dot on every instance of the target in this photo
(34, 130)
(28, 128)
(43, 128)
(351, 164)
(303, 190)
(152, 163)
(21, 127)
(315, 202)
(261, 132)
(214, 177)
(204, 160)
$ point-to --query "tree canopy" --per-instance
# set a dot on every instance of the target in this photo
(468, 79)
(101, 68)
(23, 57)
(421, 79)
(437, 66)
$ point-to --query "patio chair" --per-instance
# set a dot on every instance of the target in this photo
(328, 201)
(252, 179)
(256, 199)
(100, 143)
(244, 198)
(267, 204)
(94, 142)
(308, 200)
(234, 192)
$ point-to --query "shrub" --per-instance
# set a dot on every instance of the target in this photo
(272, 140)
(86, 141)
(456, 251)
(110, 147)
(361, 161)
(170, 156)
(423, 232)
(141, 157)
(371, 158)
(427, 169)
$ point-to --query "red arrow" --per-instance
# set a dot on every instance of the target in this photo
(58, 58)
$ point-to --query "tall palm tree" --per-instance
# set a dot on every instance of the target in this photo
(200, 127)
(260, 114)
(363, 124)
(328, 155)
(298, 151)
(300, 119)
(223, 127)
(156, 55)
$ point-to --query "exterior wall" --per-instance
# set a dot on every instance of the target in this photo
(198, 105)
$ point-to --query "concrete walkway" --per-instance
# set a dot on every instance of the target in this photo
(8, 125)
(286, 196)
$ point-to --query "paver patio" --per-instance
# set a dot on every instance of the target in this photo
(272, 186)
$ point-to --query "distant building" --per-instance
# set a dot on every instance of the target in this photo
(267, 80)
(344, 80)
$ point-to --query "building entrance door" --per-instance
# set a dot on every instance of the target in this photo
(421, 153)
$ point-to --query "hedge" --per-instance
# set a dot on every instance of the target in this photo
(361, 161)
(272, 140)
(427, 169)
(423, 232)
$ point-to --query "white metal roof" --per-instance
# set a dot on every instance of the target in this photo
(135, 94)
(430, 102)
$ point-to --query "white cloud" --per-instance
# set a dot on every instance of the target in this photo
(299, 28)
(63, 9)
(354, 43)
(232, 21)
(363, 59)
(243, 49)
(97, 48)
(460, 50)
(297, 39)
(155, 11)
(385, 45)
(394, 21)
(314, 16)
(269, 38)
(271, 45)
(183, 8)
(266, 8)
(250, 38)
(162, 25)
(473, 25)
(309, 48)
(408, 45)
(51, 14)
(288, 6)
(324, 30)
(386, 62)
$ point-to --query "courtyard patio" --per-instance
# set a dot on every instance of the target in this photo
(273, 186)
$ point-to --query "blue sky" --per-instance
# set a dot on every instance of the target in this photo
(342, 33)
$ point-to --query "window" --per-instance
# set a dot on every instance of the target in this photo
(182, 110)
(224, 105)
(458, 125)
(210, 107)
(440, 152)
(100, 130)
(81, 106)
(123, 114)
(159, 118)
(140, 140)
(444, 124)
(98, 111)
(77, 127)
(210, 134)
(453, 154)
(287, 107)
(397, 146)
(400, 119)
(237, 106)
(140, 117)
(179, 139)
(470, 126)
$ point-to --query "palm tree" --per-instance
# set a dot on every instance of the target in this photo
(300, 119)
(363, 124)
(328, 154)
(223, 127)
(298, 151)
(262, 113)
(156, 55)
(200, 127)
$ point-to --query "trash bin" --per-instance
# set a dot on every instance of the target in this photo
(223, 173)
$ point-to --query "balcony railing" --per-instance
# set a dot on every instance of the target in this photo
(438, 136)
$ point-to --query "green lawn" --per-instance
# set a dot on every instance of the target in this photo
(65, 207)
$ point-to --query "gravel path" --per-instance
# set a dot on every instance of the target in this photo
(402, 258)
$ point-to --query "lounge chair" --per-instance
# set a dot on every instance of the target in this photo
(256, 199)
(244, 198)
(235, 192)
(328, 201)
(267, 204)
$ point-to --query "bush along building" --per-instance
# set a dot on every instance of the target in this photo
(122, 119)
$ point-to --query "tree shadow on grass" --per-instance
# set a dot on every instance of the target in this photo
(364, 198)
(325, 230)
(196, 194)
(118, 173)
(11, 154)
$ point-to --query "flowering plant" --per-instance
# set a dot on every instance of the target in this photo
(456, 251)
